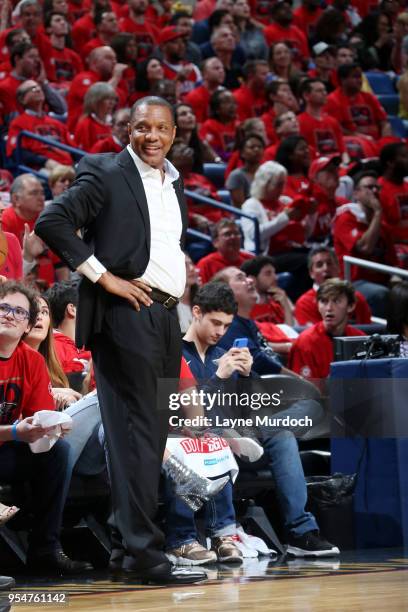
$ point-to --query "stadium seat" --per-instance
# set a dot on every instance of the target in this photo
(225, 196)
(398, 126)
(381, 83)
(216, 174)
(390, 103)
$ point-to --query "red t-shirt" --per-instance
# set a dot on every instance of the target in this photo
(47, 262)
(214, 262)
(146, 35)
(82, 31)
(192, 76)
(249, 105)
(394, 202)
(199, 99)
(272, 312)
(106, 145)
(347, 230)
(43, 126)
(13, 266)
(89, 130)
(312, 353)
(220, 136)
(324, 134)
(26, 386)
(268, 118)
(8, 90)
(72, 359)
(274, 33)
(67, 64)
(360, 113)
(202, 186)
(307, 312)
(305, 19)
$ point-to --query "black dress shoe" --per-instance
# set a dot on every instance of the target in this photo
(7, 583)
(57, 562)
(166, 574)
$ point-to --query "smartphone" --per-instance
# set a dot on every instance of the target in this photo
(240, 343)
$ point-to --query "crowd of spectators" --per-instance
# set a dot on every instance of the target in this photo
(281, 98)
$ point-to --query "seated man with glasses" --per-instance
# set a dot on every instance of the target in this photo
(227, 241)
(25, 389)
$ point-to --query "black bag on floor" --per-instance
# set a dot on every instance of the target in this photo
(330, 499)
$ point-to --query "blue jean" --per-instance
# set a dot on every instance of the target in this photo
(180, 524)
(87, 454)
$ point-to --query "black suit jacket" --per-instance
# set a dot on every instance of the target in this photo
(108, 201)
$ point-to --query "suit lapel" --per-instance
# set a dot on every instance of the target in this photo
(133, 179)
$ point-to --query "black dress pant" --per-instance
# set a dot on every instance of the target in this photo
(132, 354)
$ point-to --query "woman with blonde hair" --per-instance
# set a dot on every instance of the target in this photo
(96, 123)
(60, 178)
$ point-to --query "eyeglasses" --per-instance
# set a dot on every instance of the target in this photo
(373, 187)
(20, 314)
(30, 89)
(230, 234)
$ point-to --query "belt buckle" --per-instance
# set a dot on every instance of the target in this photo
(170, 302)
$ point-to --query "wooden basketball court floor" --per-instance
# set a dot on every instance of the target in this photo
(357, 581)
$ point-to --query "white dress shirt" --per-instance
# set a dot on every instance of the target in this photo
(166, 269)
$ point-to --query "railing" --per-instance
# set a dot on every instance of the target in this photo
(48, 141)
(231, 209)
(348, 261)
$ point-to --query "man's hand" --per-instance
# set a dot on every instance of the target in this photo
(235, 360)
(135, 291)
(33, 246)
(27, 432)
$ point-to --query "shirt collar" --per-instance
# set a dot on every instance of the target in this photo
(145, 169)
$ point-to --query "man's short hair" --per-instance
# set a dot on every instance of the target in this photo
(389, 153)
(19, 50)
(307, 85)
(273, 86)
(344, 71)
(321, 249)
(152, 101)
(59, 296)
(334, 288)
(363, 174)
(215, 297)
(249, 68)
(253, 267)
(225, 222)
(31, 295)
(48, 17)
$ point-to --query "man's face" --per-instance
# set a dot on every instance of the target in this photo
(289, 125)
(175, 49)
(30, 18)
(185, 26)
(283, 14)
(228, 241)
(325, 61)
(59, 25)
(105, 62)
(266, 278)
(138, 6)
(323, 267)
(120, 126)
(261, 73)
(344, 56)
(367, 189)
(243, 287)
(151, 134)
(31, 63)
(30, 200)
(32, 94)
(353, 82)
(214, 71)
(335, 312)
(109, 23)
(225, 40)
(10, 328)
(318, 94)
(211, 326)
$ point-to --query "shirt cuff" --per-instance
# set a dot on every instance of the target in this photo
(28, 266)
(92, 269)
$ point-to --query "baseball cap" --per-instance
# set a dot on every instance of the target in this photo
(322, 162)
(169, 33)
(321, 47)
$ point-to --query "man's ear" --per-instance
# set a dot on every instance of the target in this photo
(70, 311)
(196, 310)
(351, 308)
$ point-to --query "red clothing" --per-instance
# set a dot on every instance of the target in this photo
(326, 210)
(72, 359)
(146, 35)
(77, 91)
(249, 105)
(394, 202)
(202, 186)
(8, 90)
(347, 230)
(43, 126)
(360, 113)
(25, 385)
(187, 84)
(268, 118)
(106, 145)
(324, 134)
(82, 31)
(92, 44)
(89, 130)
(307, 312)
(312, 353)
(272, 312)
(260, 10)
(67, 64)
(305, 20)
(187, 379)
(152, 15)
(199, 100)
(47, 262)
(274, 33)
(13, 266)
(214, 262)
(220, 136)
(292, 235)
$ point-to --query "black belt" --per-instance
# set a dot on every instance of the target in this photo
(166, 299)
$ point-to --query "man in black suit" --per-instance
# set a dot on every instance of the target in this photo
(133, 214)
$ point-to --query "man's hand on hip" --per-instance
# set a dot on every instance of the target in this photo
(135, 291)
